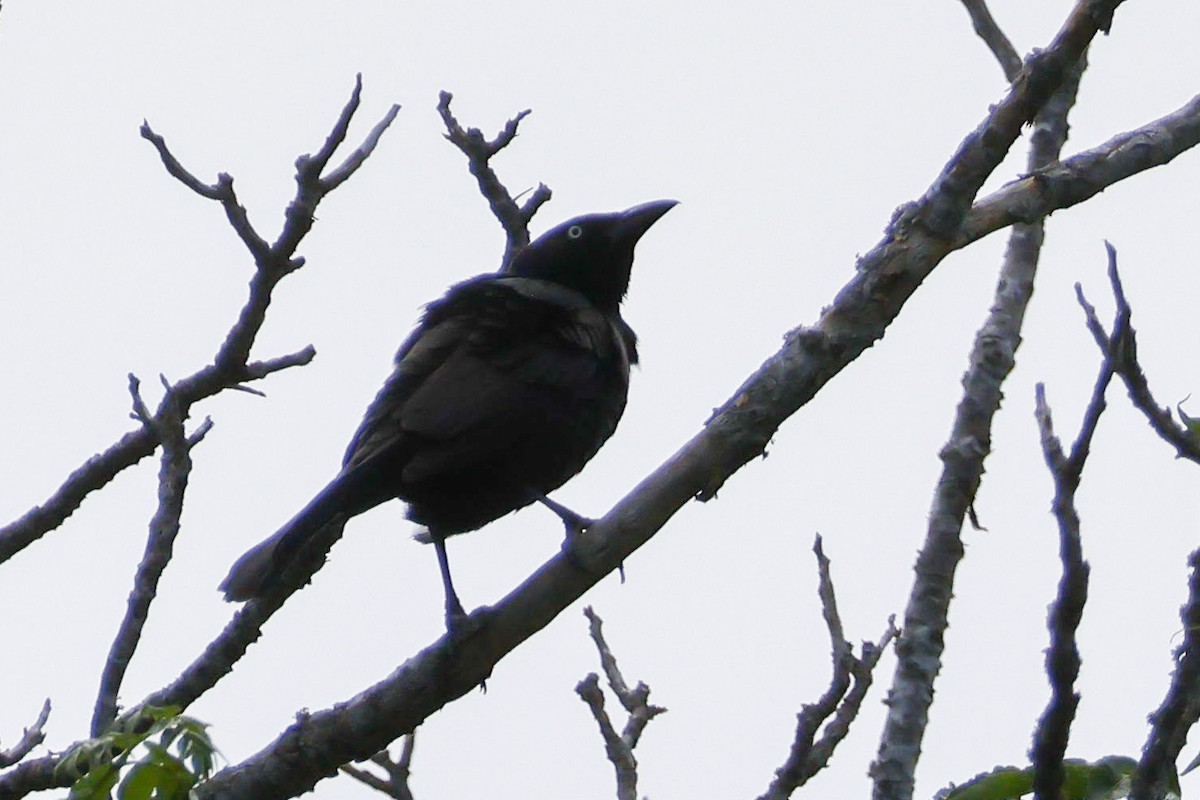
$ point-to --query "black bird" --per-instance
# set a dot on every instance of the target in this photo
(508, 386)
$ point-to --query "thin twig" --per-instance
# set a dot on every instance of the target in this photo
(985, 25)
(1062, 658)
(1122, 351)
(360, 154)
(1155, 777)
(173, 475)
(31, 737)
(229, 368)
(478, 150)
(636, 702)
(221, 191)
(839, 704)
(395, 785)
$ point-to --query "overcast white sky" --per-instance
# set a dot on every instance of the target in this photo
(789, 132)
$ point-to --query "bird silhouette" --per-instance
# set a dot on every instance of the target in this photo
(508, 386)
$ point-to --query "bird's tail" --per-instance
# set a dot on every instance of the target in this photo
(316, 527)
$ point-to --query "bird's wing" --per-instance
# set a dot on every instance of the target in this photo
(493, 361)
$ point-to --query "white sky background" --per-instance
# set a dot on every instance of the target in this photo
(789, 132)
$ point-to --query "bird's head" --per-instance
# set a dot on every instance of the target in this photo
(592, 254)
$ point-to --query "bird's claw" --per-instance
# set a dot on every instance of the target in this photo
(462, 626)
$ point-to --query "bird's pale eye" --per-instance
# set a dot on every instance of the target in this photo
(574, 232)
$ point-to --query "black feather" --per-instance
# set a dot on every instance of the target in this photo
(508, 386)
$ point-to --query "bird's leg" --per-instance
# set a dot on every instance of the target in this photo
(455, 616)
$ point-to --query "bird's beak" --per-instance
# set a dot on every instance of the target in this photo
(636, 221)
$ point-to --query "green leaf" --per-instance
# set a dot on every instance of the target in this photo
(1193, 426)
(1105, 779)
(158, 772)
(1002, 783)
(140, 783)
(160, 780)
(96, 784)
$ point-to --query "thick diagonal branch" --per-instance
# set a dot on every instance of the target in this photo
(885, 279)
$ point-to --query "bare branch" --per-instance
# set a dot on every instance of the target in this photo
(221, 191)
(229, 368)
(395, 785)
(1084, 175)
(256, 370)
(245, 627)
(1121, 350)
(840, 703)
(478, 150)
(1062, 658)
(176, 466)
(942, 210)
(886, 278)
(636, 701)
(311, 166)
(31, 737)
(915, 242)
(991, 360)
(1155, 776)
(985, 25)
(217, 191)
(619, 755)
(93, 474)
(361, 153)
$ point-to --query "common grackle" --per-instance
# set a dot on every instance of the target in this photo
(508, 386)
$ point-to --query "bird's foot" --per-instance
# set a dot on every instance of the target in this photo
(462, 626)
(574, 523)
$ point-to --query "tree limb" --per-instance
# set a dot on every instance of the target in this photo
(636, 702)
(916, 241)
(164, 527)
(1155, 776)
(985, 25)
(1122, 352)
(887, 276)
(395, 785)
(1062, 658)
(478, 150)
(229, 368)
(1082, 176)
(992, 358)
(31, 737)
(839, 704)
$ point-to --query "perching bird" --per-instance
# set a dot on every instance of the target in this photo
(508, 386)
